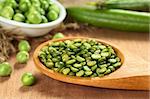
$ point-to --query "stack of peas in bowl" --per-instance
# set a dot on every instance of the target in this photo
(29, 11)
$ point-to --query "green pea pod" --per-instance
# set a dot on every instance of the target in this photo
(7, 12)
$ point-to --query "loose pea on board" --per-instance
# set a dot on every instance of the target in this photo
(81, 58)
(5, 69)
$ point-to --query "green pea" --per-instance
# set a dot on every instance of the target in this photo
(96, 56)
(22, 57)
(80, 59)
(58, 35)
(24, 46)
(94, 75)
(88, 58)
(52, 15)
(80, 73)
(111, 50)
(83, 63)
(65, 57)
(5, 69)
(108, 64)
(60, 70)
(66, 71)
(97, 52)
(42, 11)
(68, 65)
(103, 65)
(77, 44)
(24, 5)
(118, 64)
(55, 60)
(112, 60)
(34, 17)
(102, 59)
(102, 70)
(55, 8)
(107, 71)
(56, 69)
(44, 5)
(19, 17)
(59, 64)
(91, 63)
(105, 50)
(28, 79)
(11, 3)
(73, 57)
(74, 69)
(44, 49)
(78, 41)
(117, 59)
(102, 47)
(50, 2)
(18, 11)
(36, 2)
(49, 64)
(49, 56)
(44, 19)
(87, 45)
(21, 1)
(1, 5)
(88, 73)
(93, 68)
(105, 54)
(72, 74)
(77, 65)
(98, 70)
(111, 68)
(7, 12)
(70, 61)
(55, 44)
(100, 75)
(72, 47)
(86, 68)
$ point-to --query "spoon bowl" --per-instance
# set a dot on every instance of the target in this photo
(122, 78)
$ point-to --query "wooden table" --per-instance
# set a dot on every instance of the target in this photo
(47, 88)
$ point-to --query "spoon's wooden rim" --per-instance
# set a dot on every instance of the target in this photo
(59, 76)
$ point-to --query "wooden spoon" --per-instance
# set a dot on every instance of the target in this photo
(132, 75)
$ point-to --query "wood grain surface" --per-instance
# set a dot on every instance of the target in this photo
(47, 88)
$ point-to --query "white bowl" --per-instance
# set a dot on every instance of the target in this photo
(34, 30)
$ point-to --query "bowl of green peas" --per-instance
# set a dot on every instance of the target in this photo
(31, 17)
(75, 59)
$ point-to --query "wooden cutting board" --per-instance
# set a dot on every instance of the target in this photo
(47, 88)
